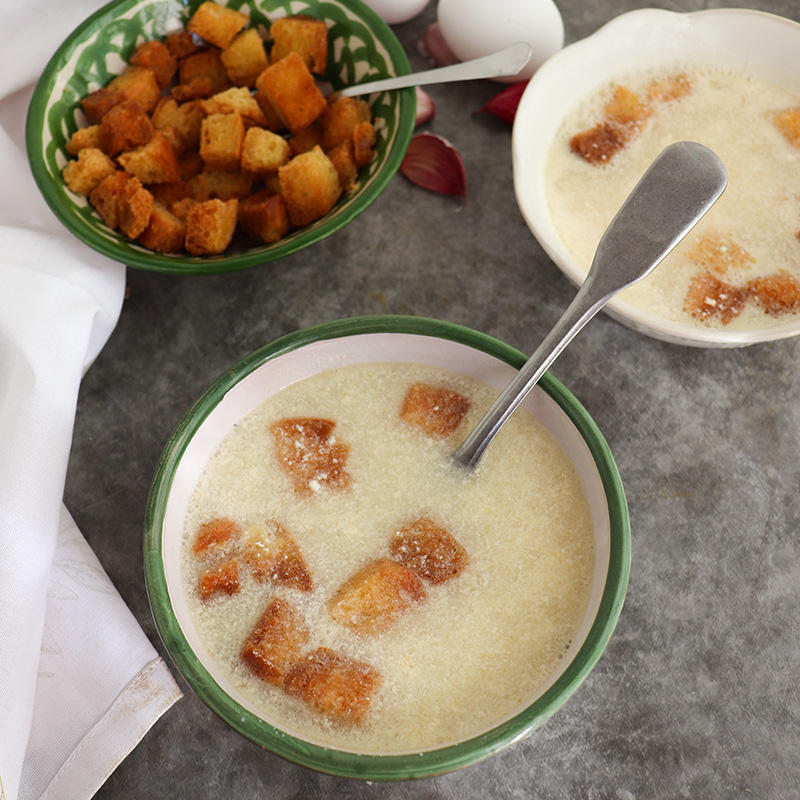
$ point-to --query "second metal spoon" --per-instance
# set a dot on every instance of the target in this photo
(678, 188)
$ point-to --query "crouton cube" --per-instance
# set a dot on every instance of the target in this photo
(155, 56)
(186, 118)
(165, 233)
(272, 554)
(181, 208)
(263, 152)
(215, 537)
(667, 89)
(373, 599)
(221, 140)
(302, 35)
(310, 454)
(344, 163)
(429, 550)
(306, 139)
(273, 120)
(236, 99)
(124, 127)
(83, 138)
(169, 193)
(263, 215)
(291, 90)
(154, 162)
(245, 58)
(599, 144)
(222, 579)
(98, 103)
(135, 207)
(139, 85)
(626, 109)
(181, 44)
(200, 75)
(335, 685)
(788, 123)
(434, 409)
(217, 24)
(191, 164)
(776, 294)
(276, 642)
(84, 174)
(210, 226)
(363, 143)
(107, 197)
(340, 118)
(719, 254)
(210, 184)
(710, 298)
(310, 186)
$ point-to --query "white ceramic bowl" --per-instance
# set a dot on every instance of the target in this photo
(347, 342)
(760, 44)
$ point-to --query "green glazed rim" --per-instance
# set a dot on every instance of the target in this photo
(369, 766)
(363, 47)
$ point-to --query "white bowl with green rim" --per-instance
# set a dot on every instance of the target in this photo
(356, 341)
(362, 47)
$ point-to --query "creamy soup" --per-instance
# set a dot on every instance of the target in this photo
(740, 267)
(480, 645)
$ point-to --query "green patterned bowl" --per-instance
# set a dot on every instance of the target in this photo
(362, 48)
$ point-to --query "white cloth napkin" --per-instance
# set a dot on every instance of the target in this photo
(80, 683)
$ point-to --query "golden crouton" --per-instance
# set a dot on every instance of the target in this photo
(222, 579)
(291, 90)
(165, 233)
(107, 197)
(310, 186)
(343, 162)
(710, 298)
(272, 554)
(82, 138)
(139, 85)
(263, 152)
(154, 162)
(429, 550)
(310, 454)
(276, 642)
(625, 108)
(302, 35)
(340, 118)
(181, 44)
(334, 685)
(124, 127)
(209, 183)
(306, 139)
(186, 118)
(373, 599)
(216, 536)
(273, 121)
(718, 254)
(788, 123)
(135, 207)
(599, 144)
(181, 208)
(245, 58)
(236, 99)
(169, 193)
(667, 89)
(264, 216)
(434, 409)
(191, 163)
(221, 140)
(83, 175)
(218, 25)
(363, 143)
(776, 294)
(155, 56)
(200, 75)
(98, 103)
(210, 226)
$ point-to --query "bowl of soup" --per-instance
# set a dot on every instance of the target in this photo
(341, 593)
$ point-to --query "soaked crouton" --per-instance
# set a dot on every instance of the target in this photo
(124, 127)
(625, 108)
(236, 99)
(155, 56)
(272, 554)
(135, 207)
(218, 25)
(263, 152)
(310, 454)
(373, 599)
(276, 642)
(185, 118)
(264, 216)
(138, 85)
(302, 35)
(98, 103)
(83, 138)
(717, 253)
(436, 410)
(340, 119)
(776, 294)
(363, 143)
(710, 298)
(216, 536)
(667, 89)
(201, 74)
(788, 123)
(334, 685)
(290, 88)
(310, 186)
(153, 162)
(245, 58)
(210, 184)
(84, 174)
(599, 144)
(107, 197)
(222, 579)
(221, 140)
(210, 226)
(429, 550)
(165, 233)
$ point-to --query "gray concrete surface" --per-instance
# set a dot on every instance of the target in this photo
(696, 696)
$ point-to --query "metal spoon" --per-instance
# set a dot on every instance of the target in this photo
(501, 64)
(682, 183)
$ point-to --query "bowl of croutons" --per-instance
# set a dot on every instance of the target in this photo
(342, 593)
(206, 137)
(726, 78)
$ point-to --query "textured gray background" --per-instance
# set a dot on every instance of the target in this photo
(696, 696)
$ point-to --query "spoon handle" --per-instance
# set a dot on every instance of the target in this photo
(679, 187)
(503, 63)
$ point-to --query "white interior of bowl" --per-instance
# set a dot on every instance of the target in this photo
(286, 369)
(761, 44)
